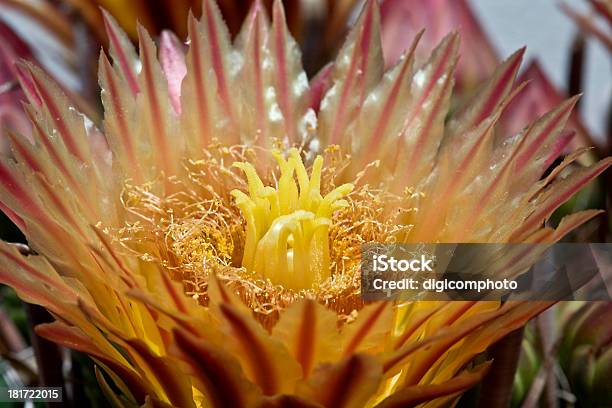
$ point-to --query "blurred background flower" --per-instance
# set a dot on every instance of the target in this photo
(72, 31)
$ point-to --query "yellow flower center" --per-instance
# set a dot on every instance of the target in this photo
(269, 245)
(287, 227)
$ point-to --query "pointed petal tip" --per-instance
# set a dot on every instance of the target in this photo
(516, 58)
(369, 11)
(25, 77)
(319, 85)
(121, 50)
(24, 68)
(605, 163)
(145, 42)
(102, 56)
(451, 40)
(571, 102)
(105, 13)
(168, 38)
(110, 22)
(448, 49)
(415, 42)
(190, 15)
(172, 59)
(278, 13)
(142, 31)
(255, 10)
(407, 54)
(372, 5)
(454, 35)
(577, 97)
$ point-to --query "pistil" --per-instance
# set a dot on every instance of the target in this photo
(287, 226)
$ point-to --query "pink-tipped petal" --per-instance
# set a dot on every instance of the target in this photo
(573, 221)
(252, 41)
(490, 95)
(199, 90)
(558, 193)
(35, 279)
(74, 338)
(357, 70)
(172, 59)
(542, 135)
(559, 147)
(122, 51)
(12, 50)
(217, 42)
(15, 193)
(121, 139)
(154, 93)
(291, 82)
(319, 85)
(27, 84)
(423, 129)
(61, 114)
(394, 92)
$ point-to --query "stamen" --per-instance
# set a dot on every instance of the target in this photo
(197, 229)
(287, 228)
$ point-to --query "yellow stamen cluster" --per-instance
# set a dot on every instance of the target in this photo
(195, 229)
(287, 227)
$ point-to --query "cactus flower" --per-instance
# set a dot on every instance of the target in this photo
(202, 243)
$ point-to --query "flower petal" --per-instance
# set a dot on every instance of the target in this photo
(310, 332)
(264, 359)
(357, 70)
(413, 396)
(172, 58)
(72, 337)
(217, 374)
(373, 324)
(558, 193)
(291, 85)
(349, 383)
(122, 51)
(402, 19)
(154, 103)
